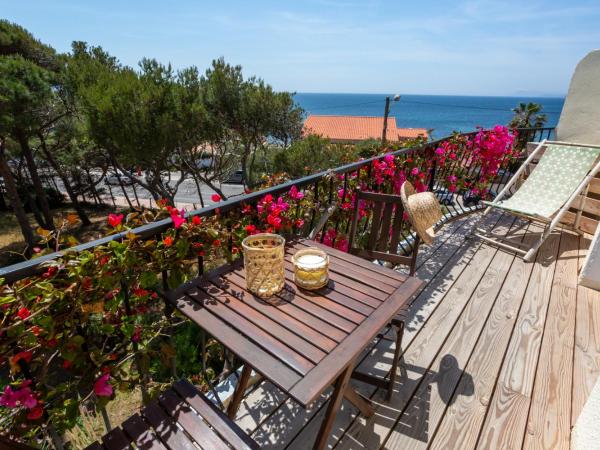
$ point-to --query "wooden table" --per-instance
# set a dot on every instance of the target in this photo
(301, 341)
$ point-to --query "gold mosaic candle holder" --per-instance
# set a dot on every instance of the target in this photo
(263, 260)
(311, 268)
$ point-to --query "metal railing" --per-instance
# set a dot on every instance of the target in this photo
(31, 267)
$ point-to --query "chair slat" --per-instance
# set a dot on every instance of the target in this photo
(375, 225)
(384, 234)
(166, 428)
(396, 229)
(214, 416)
(191, 422)
(142, 434)
(116, 440)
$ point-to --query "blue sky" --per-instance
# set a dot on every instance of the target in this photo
(473, 47)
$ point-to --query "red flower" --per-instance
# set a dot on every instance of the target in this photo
(235, 250)
(217, 242)
(23, 313)
(36, 413)
(52, 342)
(66, 364)
(168, 241)
(50, 272)
(86, 284)
(25, 356)
(35, 330)
(104, 260)
(215, 198)
(140, 292)
(196, 220)
(251, 229)
(115, 219)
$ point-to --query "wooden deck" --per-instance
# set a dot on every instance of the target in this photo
(498, 353)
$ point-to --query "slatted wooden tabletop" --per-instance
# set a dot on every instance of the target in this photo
(299, 340)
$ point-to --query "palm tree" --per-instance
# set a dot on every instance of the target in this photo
(527, 115)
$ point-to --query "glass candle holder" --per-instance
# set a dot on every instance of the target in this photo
(263, 260)
(311, 268)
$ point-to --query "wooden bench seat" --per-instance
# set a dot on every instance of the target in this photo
(181, 418)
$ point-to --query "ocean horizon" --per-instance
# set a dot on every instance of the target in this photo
(442, 114)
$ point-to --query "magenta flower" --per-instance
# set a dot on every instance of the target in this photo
(102, 387)
(296, 194)
(21, 397)
(178, 217)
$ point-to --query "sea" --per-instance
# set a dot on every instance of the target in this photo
(441, 113)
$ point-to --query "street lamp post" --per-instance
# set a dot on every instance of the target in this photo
(385, 116)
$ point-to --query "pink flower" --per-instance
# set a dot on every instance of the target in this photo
(414, 171)
(21, 397)
(215, 198)
(178, 218)
(115, 220)
(296, 194)
(102, 387)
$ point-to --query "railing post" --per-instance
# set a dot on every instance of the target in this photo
(136, 352)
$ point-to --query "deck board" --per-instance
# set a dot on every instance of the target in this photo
(525, 344)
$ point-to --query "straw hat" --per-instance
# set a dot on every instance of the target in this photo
(423, 210)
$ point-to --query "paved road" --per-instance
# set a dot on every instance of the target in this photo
(187, 195)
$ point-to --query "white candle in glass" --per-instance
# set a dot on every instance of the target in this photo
(311, 268)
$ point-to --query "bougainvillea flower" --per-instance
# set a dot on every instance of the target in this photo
(217, 242)
(251, 229)
(23, 313)
(196, 220)
(115, 220)
(296, 194)
(178, 218)
(21, 397)
(168, 241)
(50, 272)
(102, 388)
(215, 198)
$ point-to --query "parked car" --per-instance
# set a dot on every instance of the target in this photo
(236, 177)
(113, 179)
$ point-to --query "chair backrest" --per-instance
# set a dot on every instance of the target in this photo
(559, 172)
(383, 236)
(581, 112)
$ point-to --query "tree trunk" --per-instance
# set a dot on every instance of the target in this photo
(122, 186)
(15, 201)
(137, 199)
(199, 190)
(35, 179)
(85, 220)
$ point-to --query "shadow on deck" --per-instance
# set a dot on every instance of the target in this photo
(489, 358)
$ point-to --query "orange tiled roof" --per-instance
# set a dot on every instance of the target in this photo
(358, 128)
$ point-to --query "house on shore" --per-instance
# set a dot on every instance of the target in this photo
(353, 129)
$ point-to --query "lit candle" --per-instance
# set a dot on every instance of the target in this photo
(311, 268)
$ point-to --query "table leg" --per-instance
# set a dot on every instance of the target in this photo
(334, 405)
(240, 389)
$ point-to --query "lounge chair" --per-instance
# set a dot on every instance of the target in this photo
(563, 173)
